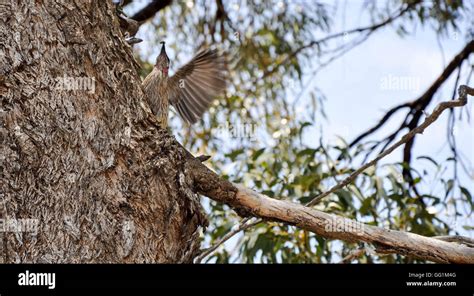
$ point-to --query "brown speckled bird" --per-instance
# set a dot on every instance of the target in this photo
(191, 90)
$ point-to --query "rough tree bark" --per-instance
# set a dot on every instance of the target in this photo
(105, 184)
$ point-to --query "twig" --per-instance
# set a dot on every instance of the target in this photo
(369, 29)
(353, 255)
(457, 239)
(450, 130)
(381, 122)
(241, 226)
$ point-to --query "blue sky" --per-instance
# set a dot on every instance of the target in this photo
(357, 99)
(356, 80)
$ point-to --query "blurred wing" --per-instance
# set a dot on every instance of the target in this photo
(193, 88)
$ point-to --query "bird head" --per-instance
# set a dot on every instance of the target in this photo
(162, 61)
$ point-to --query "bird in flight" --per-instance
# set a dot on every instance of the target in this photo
(191, 90)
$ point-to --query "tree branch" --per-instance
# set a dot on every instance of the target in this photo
(381, 122)
(418, 105)
(242, 226)
(328, 225)
(249, 203)
(457, 239)
(353, 255)
(131, 25)
(407, 138)
(150, 10)
(368, 30)
(417, 108)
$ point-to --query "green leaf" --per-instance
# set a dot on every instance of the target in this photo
(429, 159)
(307, 151)
(233, 155)
(345, 197)
(448, 187)
(366, 206)
(467, 194)
(257, 153)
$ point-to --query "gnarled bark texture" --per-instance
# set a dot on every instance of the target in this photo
(89, 163)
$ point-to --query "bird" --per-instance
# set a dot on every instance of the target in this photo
(191, 90)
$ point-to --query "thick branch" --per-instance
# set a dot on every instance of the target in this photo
(326, 225)
(249, 203)
(150, 10)
(381, 122)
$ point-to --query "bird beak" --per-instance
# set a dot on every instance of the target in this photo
(163, 50)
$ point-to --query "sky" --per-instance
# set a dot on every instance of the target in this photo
(358, 93)
(358, 96)
(357, 80)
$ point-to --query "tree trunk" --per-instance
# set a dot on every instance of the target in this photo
(85, 160)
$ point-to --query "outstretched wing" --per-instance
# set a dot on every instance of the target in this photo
(195, 85)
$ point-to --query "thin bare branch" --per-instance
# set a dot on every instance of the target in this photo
(368, 30)
(353, 255)
(457, 239)
(242, 226)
